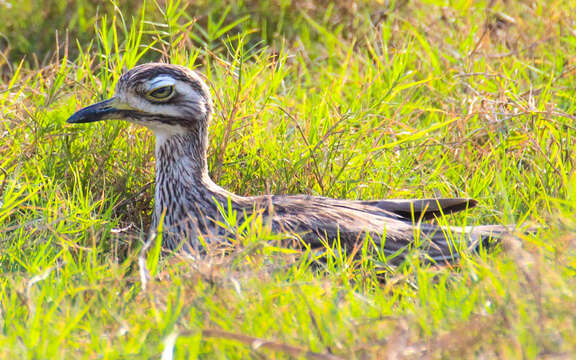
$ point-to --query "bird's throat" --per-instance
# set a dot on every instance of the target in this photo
(181, 155)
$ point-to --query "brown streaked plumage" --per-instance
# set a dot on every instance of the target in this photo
(176, 105)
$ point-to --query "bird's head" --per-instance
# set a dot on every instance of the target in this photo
(168, 99)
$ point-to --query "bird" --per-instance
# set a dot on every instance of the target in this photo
(175, 103)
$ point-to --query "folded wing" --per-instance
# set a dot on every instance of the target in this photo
(389, 223)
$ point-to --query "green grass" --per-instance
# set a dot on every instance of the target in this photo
(377, 100)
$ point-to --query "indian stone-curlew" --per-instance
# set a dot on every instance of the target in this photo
(176, 105)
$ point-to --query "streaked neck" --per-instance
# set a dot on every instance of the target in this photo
(183, 186)
(182, 156)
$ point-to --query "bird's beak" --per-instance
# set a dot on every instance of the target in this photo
(107, 109)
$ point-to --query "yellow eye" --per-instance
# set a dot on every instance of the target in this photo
(163, 93)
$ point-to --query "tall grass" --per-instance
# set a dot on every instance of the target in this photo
(343, 99)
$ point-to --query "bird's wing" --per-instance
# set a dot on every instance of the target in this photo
(316, 219)
(406, 209)
(422, 208)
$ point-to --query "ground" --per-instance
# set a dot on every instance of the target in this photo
(346, 99)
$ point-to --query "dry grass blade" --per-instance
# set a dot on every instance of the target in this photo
(463, 337)
(257, 343)
(142, 267)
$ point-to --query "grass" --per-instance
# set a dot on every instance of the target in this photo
(372, 100)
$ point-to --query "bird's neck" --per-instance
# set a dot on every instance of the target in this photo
(182, 167)
(185, 195)
(182, 157)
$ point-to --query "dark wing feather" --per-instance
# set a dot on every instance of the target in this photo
(422, 208)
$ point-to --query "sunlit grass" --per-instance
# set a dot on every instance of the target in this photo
(377, 100)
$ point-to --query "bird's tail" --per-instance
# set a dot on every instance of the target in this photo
(445, 244)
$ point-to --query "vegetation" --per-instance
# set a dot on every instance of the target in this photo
(347, 99)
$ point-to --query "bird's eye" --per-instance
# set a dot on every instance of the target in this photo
(163, 93)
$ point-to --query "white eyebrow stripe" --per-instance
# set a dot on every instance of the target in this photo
(159, 82)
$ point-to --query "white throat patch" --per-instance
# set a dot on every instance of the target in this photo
(163, 132)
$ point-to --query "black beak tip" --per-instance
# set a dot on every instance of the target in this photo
(92, 113)
(74, 119)
(81, 118)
